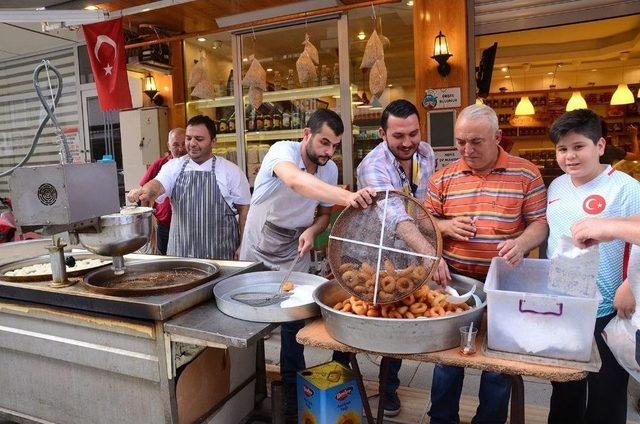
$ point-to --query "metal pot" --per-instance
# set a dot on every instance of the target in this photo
(401, 336)
(119, 235)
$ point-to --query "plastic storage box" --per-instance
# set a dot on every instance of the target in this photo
(524, 316)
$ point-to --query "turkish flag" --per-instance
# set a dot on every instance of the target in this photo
(105, 45)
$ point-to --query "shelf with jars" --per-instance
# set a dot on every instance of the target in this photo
(272, 96)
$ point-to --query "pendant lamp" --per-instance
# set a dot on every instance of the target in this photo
(576, 102)
(524, 106)
(622, 95)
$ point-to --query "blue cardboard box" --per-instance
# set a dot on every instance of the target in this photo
(328, 394)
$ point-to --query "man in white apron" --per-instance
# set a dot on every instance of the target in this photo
(206, 193)
(291, 203)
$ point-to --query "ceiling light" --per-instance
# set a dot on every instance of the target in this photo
(409, 3)
(576, 102)
(504, 68)
(622, 96)
(549, 73)
(146, 9)
(244, 59)
(507, 76)
(593, 70)
(91, 7)
(202, 39)
(269, 70)
(525, 107)
(390, 85)
(362, 35)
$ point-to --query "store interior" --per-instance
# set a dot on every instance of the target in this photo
(549, 66)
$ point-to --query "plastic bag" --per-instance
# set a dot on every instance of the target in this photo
(378, 78)
(574, 270)
(373, 51)
(621, 335)
(306, 69)
(311, 50)
(256, 76)
(255, 96)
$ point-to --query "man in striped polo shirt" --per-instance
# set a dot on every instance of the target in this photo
(488, 204)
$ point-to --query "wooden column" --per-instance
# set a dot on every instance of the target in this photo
(430, 17)
(177, 106)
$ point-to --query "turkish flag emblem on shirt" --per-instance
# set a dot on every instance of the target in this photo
(105, 45)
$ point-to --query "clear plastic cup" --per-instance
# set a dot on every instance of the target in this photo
(468, 342)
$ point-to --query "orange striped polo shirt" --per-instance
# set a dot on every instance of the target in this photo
(503, 201)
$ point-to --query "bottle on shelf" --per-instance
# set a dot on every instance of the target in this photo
(277, 83)
(286, 120)
(277, 120)
(222, 128)
(336, 74)
(230, 84)
(260, 122)
(231, 123)
(290, 81)
(250, 118)
(324, 78)
(267, 122)
(295, 117)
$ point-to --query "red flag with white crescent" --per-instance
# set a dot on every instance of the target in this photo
(105, 45)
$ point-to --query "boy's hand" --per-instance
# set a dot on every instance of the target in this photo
(511, 251)
(590, 231)
(624, 302)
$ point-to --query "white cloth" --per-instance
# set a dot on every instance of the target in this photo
(232, 182)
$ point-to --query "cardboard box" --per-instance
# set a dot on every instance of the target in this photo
(328, 393)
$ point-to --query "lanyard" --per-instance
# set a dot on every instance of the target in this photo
(407, 186)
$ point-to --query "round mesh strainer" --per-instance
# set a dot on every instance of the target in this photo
(384, 263)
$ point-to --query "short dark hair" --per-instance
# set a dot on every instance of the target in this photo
(400, 108)
(325, 116)
(581, 121)
(206, 121)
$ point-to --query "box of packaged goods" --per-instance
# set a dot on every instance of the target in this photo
(328, 393)
(526, 316)
(252, 172)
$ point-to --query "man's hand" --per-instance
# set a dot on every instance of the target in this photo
(624, 302)
(139, 195)
(511, 251)
(362, 198)
(442, 275)
(458, 228)
(590, 231)
(305, 242)
(236, 254)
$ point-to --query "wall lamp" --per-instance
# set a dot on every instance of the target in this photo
(150, 88)
(441, 54)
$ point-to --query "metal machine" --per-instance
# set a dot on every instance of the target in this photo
(78, 198)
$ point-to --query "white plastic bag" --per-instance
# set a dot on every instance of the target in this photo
(620, 335)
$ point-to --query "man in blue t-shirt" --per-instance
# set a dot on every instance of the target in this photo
(589, 189)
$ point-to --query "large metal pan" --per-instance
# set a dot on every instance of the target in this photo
(45, 259)
(402, 336)
(264, 281)
(153, 277)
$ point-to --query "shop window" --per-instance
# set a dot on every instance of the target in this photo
(394, 25)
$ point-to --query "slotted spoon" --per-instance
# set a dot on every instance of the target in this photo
(259, 299)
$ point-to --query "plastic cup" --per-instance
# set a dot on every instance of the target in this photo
(468, 345)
